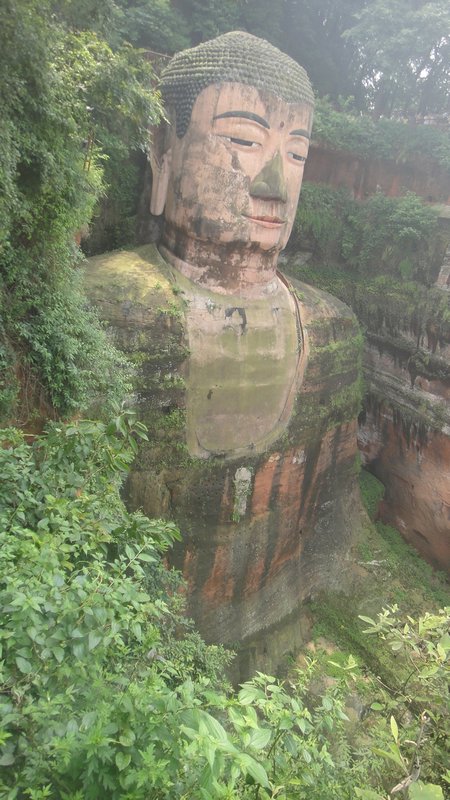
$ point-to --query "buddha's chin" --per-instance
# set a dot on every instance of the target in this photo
(266, 238)
(212, 239)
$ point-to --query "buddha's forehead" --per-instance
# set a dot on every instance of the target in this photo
(238, 101)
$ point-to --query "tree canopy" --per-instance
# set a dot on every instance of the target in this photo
(69, 104)
(403, 55)
(392, 56)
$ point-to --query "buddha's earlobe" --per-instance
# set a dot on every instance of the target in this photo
(160, 161)
(160, 183)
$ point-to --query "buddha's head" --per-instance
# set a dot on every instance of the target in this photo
(228, 164)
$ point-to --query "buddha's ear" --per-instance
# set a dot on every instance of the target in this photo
(160, 159)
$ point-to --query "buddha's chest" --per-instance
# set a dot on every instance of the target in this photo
(243, 370)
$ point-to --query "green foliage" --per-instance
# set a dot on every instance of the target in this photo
(85, 685)
(386, 234)
(401, 678)
(100, 692)
(402, 657)
(64, 348)
(419, 724)
(372, 491)
(389, 235)
(206, 19)
(384, 138)
(320, 220)
(403, 55)
(105, 688)
(67, 103)
(313, 36)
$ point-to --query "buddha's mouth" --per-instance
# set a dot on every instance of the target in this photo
(266, 220)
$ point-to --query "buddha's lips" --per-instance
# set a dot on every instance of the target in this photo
(266, 220)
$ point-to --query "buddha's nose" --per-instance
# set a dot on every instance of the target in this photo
(270, 184)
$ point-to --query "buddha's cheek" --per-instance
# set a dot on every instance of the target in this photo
(209, 201)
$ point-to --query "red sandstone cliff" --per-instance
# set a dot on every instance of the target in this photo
(404, 435)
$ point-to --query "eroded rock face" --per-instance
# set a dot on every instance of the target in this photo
(404, 437)
(268, 523)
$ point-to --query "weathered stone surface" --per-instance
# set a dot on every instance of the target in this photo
(266, 526)
(364, 176)
(404, 437)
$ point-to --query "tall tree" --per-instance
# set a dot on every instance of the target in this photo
(67, 100)
(311, 32)
(313, 35)
(404, 55)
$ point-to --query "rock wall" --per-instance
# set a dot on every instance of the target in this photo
(404, 436)
(265, 528)
(364, 176)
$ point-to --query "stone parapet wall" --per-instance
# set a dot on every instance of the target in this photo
(364, 176)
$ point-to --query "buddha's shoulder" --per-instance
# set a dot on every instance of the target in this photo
(137, 276)
(324, 317)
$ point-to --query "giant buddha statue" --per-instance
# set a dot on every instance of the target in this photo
(249, 381)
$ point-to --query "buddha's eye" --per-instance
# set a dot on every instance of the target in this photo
(241, 142)
(297, 157)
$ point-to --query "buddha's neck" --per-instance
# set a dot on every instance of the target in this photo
(224, 268)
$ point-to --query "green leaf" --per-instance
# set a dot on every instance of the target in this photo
(255, 770)
(7, 759)
(306, 755)
(24, 665)
(327, 703)
(122, 760)
(377, 707)
(391, 755)
(214, 728)
(93, 640)
(78, 650)
(127, 738)
(368, 794)
(260, 738)
(425, 791)
(210, 752)
(394, 729)
(58, 652)
(147, 557)
(249, 694)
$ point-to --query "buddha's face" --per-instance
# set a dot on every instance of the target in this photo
(235, 176)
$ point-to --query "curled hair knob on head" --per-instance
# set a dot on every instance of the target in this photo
(235, 57)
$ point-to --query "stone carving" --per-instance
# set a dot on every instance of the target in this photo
(249, 383)
(227, 173)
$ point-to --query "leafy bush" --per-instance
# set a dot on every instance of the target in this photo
(85, 688)
(99, 698)
(67, 103)
(105, 689)
(417, 737)
(384, 138)
(320, 220)
(393, 235)
(383, 235)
